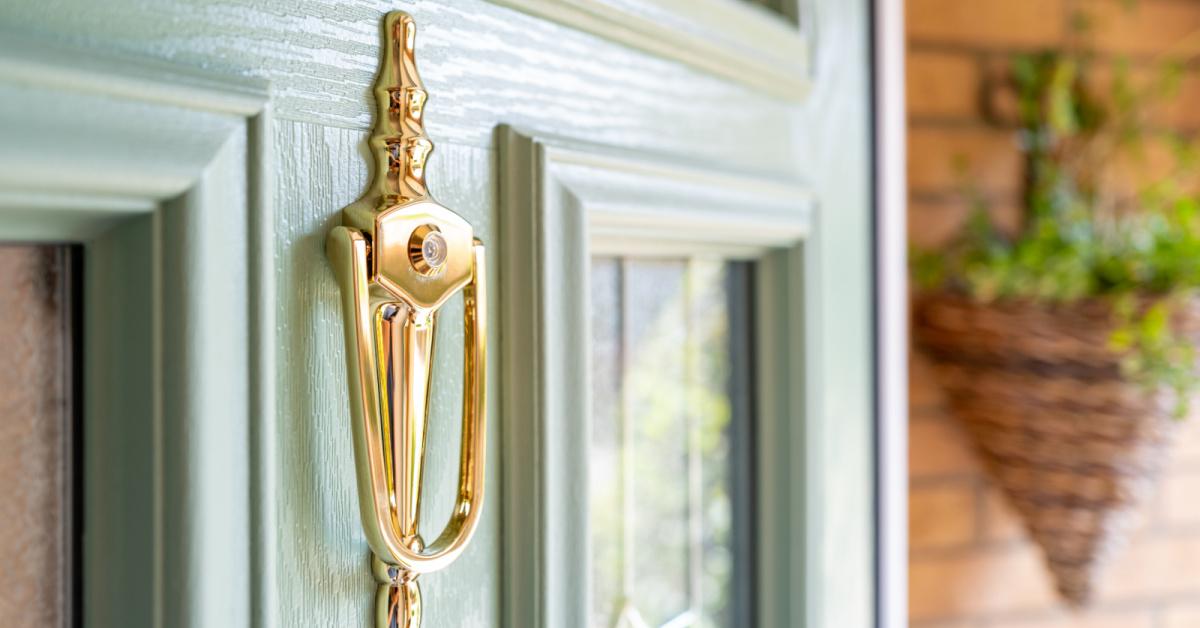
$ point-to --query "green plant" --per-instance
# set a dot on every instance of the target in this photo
(1109, 211)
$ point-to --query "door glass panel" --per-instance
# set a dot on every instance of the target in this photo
(669, 444)
(38, 529)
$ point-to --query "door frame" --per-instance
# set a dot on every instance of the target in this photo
(891, 313)
(160, 172)
(818, 303)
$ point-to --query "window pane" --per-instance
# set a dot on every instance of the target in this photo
(605, 476)
(666, 443)
(39, 531)
(656, 438)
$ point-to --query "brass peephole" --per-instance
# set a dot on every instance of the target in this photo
(398, 256)
(427, 249)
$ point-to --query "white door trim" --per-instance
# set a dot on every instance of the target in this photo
(891, 316)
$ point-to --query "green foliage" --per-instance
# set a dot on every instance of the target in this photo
(1084, 234)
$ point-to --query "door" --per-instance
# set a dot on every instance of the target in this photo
(200, 153)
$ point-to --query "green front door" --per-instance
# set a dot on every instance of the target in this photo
(202, 151)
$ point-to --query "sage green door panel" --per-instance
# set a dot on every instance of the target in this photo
(323, 566)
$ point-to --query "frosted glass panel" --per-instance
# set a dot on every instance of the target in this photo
(662, 461)
(38, 533)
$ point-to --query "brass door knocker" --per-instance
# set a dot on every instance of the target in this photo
(398, 257)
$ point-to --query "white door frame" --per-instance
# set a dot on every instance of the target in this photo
(891, 315)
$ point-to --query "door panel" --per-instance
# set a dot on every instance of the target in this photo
(483, 64)
(324, 563)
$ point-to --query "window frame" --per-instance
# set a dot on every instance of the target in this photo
(562, 202)
(160, 173)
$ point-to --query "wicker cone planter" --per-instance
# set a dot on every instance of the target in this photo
(1073, 444)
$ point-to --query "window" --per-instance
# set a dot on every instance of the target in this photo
(671, 493)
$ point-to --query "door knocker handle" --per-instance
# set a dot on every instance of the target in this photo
(398, 256)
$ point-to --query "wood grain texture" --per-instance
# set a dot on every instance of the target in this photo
(760, 49)
(323, 557)
(482, 64)
(35, 508)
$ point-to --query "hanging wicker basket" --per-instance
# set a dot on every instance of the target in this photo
(1074, 445)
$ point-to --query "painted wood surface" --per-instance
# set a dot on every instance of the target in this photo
(323, 562)
(562, 202)
(481, 63)
(833, 138)
(120, 432)
(725, 39)
(484, 65)
(163, 209)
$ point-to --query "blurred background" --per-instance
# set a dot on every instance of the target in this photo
(973, 562)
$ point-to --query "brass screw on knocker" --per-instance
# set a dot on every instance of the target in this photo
(398, 257)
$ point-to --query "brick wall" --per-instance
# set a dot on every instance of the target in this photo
(972, 565)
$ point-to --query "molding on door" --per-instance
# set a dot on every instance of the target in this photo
(29, 61)
(159, 172)
(740, 43)
(561, 202)
(646, 207)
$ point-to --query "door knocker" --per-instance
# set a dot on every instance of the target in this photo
(398, 256)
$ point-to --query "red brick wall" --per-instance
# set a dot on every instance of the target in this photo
(972, 565)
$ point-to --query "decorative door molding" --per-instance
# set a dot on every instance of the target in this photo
(735, 41)
(162, 173)
(560, 202)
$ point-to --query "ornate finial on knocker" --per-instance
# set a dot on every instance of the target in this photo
(398, 257)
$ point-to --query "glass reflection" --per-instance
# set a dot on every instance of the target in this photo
(661, 451)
